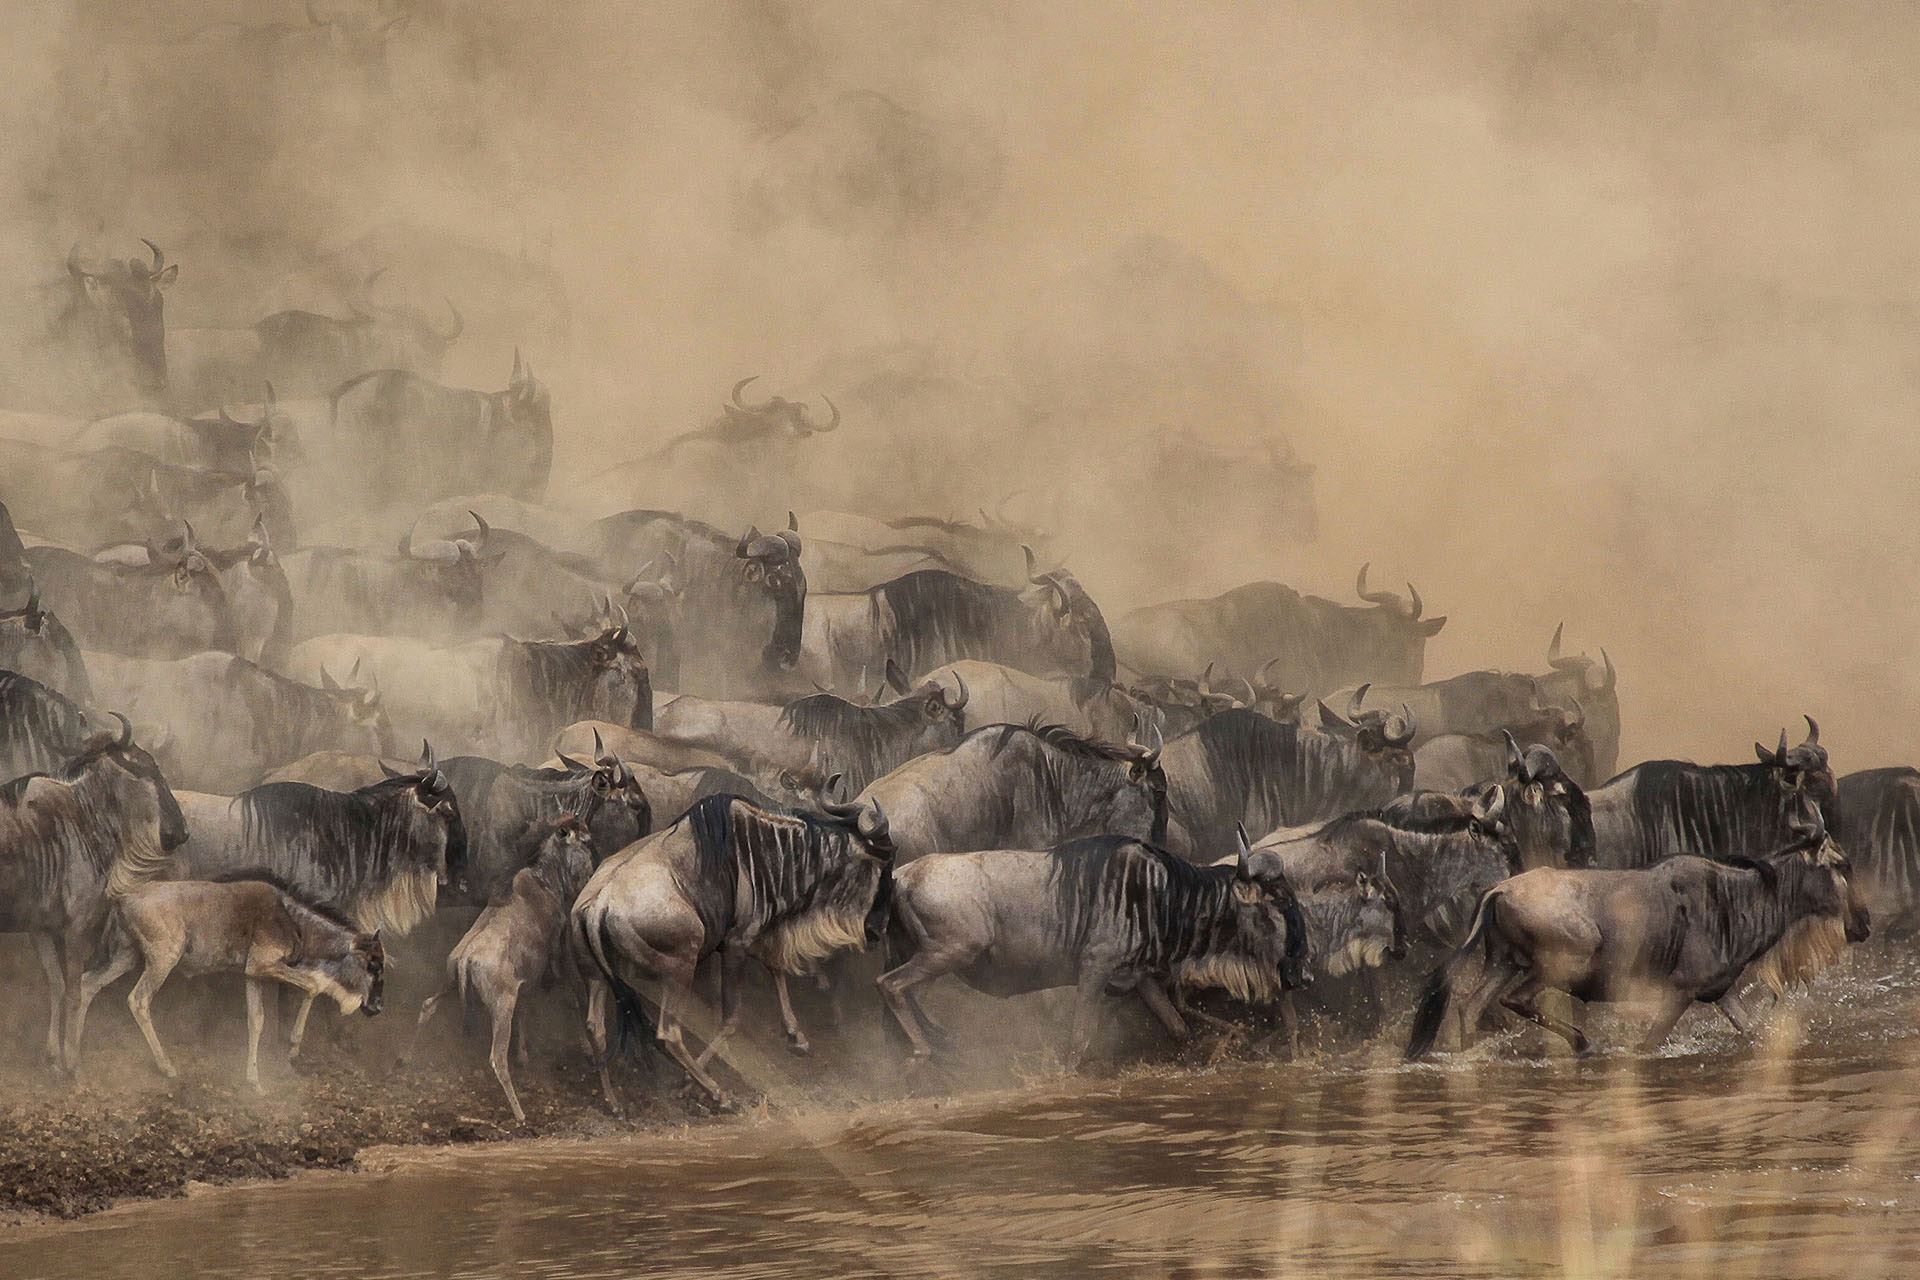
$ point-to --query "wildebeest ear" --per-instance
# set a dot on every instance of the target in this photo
(1431, 627)
(392, 772)
(1332, 719)
(1244, 867)
(572, 765)
(1766, 756)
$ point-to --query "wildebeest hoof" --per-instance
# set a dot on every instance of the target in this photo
(798, 1046)
(1583, 1048)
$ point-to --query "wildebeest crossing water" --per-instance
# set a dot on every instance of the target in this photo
(1710, 1159)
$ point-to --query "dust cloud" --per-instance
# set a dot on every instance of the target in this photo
(1594, 313)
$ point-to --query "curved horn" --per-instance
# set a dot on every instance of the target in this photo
(328, 683)
(482, 528)
(1813, 732)
(1243, 862)
(1354, 703)
(738, 387)
(1033, 570)
(126, 731)
(1261, 674)
(1206, 679)
(793, 523)
(1554, 659)
(74, 268)
(876, 829)
(186, 541)
(599, 747)
(960, 703)
(1409, 725)
(1252, 695)
(459, 323)
(427, 761)
(1516, 758)
(1413, 594)
(831, 425)
(159, 258)
(1371, 597)
(1612, 676)
(747, 539)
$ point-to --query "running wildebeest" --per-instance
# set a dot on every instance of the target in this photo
(1320, 645)
(930, 618)
(861, 742)
(789, 889)
(1680, 931)
(501, 804)
(99, 824)
(1089, 914)
(1239, 767)
(255, 926)
(1023, 787)
(36, 644)
(503, 698)
(511, 947)
(1666, 807)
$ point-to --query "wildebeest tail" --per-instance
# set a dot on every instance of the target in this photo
(1433, 1002)
(633, 1024)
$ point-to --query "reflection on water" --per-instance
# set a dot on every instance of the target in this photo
(1719, 1159)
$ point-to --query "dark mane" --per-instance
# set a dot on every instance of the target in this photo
(862, 742)
(931, 522)
(39, 728)
(779, 858)
(1169, 908)
(343, 847)
(325, 910)
(1711, 810)
(1064, 739)
(942, 617)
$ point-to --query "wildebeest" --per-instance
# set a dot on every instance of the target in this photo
(1594, 686)
(1001, 695)
(433, 591)
(112, 329)
(930, 618)
(268, 931)
(741, 423)
(36, 644)
(737, 604)
(1089, 914)
(219, 723)
(93, 828)
(503, 698)
(860, 742)
(40, 728)
(788, 889)
(398, 437)
(217, 443)
(1321, 645)
(1681, 931)
(1879, 827)
(502, 803)
(1241, 768)
(635, 746)
(111, 496)
(511, 947)
(1023, 787)
(170, 604)
(310, 354)
(1452, 761)
(992, 551)
(1666, 807)
(1474, 702)
(259, 596)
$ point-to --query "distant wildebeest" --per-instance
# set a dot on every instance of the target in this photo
(1321, 645)
(1677, 932)
(502, 803)
(169, 604)
(736, 605)
(396, 437)
(512, 946)
(928, 619)
(1023, 787)
(217, 443)
(266, 930)
(433, 591)
(789, 889)
(1091, 913)
(740, 423)
(860, 742)
(992, 551)
(71, 840)
(1666, 807)
(586, 738)
(1240, 768)
(219, 723)
(1001, 695)
(36, 644)
(1452, 761)
(502, 698)
(311, 354)
(1593, 686)
(1879, 827)
(259, 596)
(107, 345)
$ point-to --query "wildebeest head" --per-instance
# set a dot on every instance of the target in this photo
(434, 818)
(875, 838)
(775, 416)
(362, 975)
(1269, 926)
(141, 795)
(1067, 624)
(936, 706)
(1147, 780)
(615, 782)
(1406, 609)
(1271, 700)
(1595, 677)
(363, 708)
(620, 688)
(1802, 769)
(272, 440)
(1369, 926)
(1383, 737)
(460, 562)
(1817, 876)
(1551, 816)
(770, 568)
(123, 305)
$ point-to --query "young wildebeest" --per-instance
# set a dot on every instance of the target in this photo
(258, 927)
(860, 742)
(511, 946)
(1092, 914)
(1681, 931)
(789, 889)
(101, 824)
(1013, 787)
(502, 804)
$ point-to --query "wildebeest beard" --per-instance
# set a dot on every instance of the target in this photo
(1439, 870)
(796, 887)
(368, 852)
(1714, 811)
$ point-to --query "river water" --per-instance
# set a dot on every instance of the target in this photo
(1793, 1154)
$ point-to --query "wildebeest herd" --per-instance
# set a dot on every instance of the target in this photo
(649, 753)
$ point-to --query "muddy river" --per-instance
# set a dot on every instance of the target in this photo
(1790, 1155)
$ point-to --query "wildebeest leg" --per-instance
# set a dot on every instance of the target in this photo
(732, 964)
(1155, 997)
(75, 950)
(1735, 1011)
(1087, 1008)
(1495, 985)
(256, 1023)
(598, 994)
(1526, 1003)
(1373, 1000)
(896, 988)
(420, 1024)
(502, 1041)
(796, 1038)
(673, 1039)
(140, 1004)
(1671, 1011)
(1290, 1019)
(300, 1024)
(47, 947)
(120, 962)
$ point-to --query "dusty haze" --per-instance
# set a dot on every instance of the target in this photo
(1603, 313)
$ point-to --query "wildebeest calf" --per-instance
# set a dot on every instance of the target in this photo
(511, 945)
(262, 929)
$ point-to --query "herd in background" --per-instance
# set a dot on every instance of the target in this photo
(652, 750)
